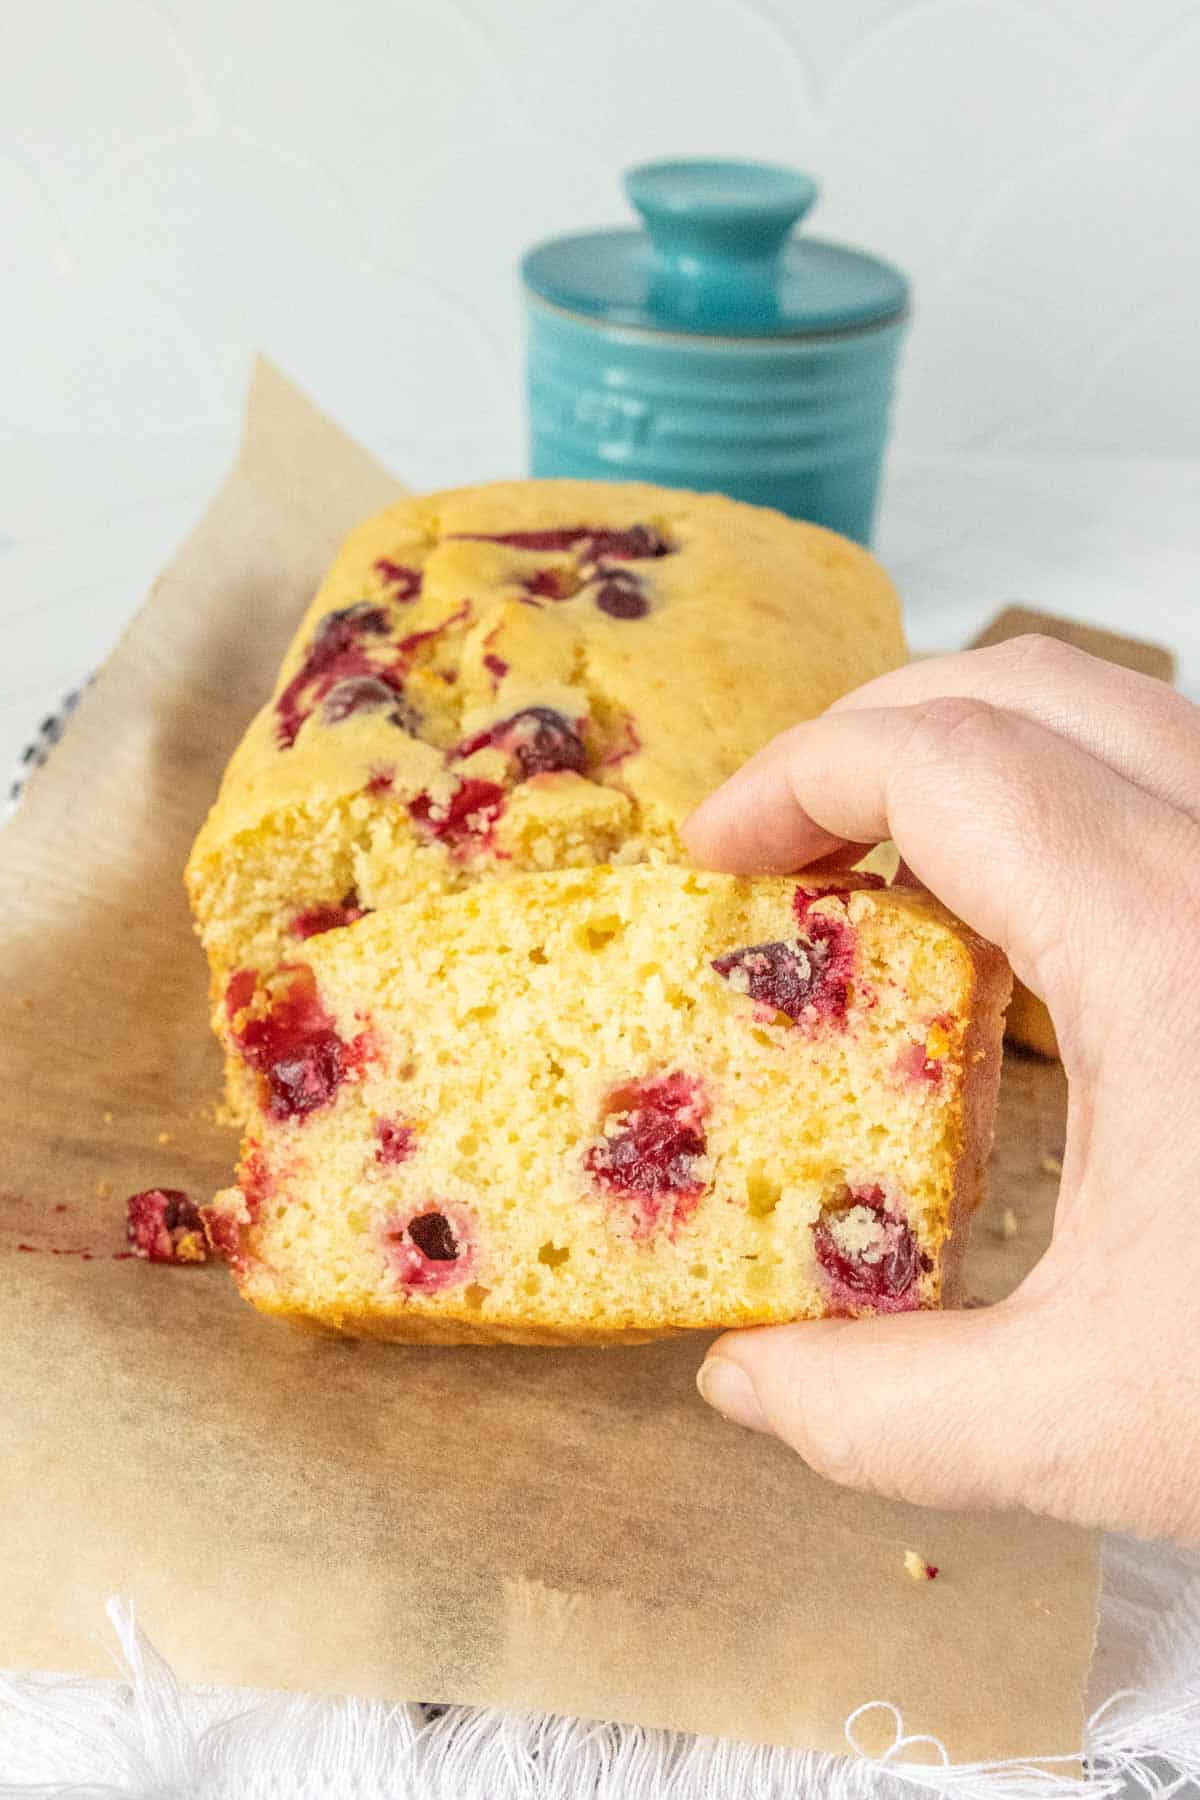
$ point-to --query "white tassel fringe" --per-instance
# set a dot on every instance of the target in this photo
(145, 1738)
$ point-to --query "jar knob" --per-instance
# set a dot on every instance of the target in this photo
(704, 217)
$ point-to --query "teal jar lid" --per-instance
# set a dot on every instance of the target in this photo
(719, 258)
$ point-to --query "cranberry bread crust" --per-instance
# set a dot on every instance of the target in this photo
(609, 1105)
(525, 676)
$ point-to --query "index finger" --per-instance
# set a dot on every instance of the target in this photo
(1135, 723)
(1039, 846)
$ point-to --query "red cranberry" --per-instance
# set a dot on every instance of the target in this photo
(496, 667)
(370, 693)
(469, 816)
(540, 741)
(317, 919)
(432, 1234)
(620, 596)
(380, 781)
(779, 975)
(340, 631)
(828, 941)
(430, 1250)
(632, 544)
(543, 742)
(396, 1142)
(807, 978)
(649, 1158)
(869, 1252)
(335, 654)
(294, 1049)
(164, 1225)
(404, 582)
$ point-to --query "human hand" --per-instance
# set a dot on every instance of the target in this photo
(1053, 802)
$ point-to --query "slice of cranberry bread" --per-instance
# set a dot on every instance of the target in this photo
(531, 675)
(611, 1104)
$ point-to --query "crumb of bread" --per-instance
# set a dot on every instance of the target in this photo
(164, 1137)
(108, 1118)
(1051, 1165)
(714, 1157)
(1006, 1225)
(916, 1566)
(104, 1190)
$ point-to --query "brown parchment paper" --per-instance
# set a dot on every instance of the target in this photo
(568, 1530)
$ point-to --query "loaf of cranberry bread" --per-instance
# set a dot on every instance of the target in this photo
(526, 676)
(609, 1104)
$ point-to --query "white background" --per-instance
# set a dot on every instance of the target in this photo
(348, 184)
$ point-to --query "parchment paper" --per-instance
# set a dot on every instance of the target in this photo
(565, 1530)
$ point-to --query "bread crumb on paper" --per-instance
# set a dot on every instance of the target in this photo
(1006, 1225)
(164, 1137)
(1051, 1165)
(916, 1566)
(104, 1190)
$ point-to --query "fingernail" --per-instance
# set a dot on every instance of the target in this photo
(730, 1391)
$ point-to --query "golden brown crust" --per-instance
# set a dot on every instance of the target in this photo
(456, 1326)
(1029, 1023)
(982, 1056)
(754, 621)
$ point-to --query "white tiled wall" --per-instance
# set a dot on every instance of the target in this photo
(348, 183)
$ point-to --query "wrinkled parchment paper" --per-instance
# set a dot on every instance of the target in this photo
(568, 1530)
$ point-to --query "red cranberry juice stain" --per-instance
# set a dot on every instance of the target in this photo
(914, 1066)
(257, 1181)
(634, 543)
(336, 653)
(396, 1142)
(224, 1235)
(466, 820)
(317, 919)
(407, 645)
(552, 584)
(404, 582)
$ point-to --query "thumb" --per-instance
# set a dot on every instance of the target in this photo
(941, 1409)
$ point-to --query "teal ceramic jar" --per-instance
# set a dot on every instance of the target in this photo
(717, 349)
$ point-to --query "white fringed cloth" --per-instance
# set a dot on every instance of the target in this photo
(143, 1737)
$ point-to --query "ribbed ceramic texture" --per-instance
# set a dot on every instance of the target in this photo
(795, 424)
